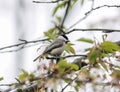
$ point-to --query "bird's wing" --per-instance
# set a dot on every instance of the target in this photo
(53, 45)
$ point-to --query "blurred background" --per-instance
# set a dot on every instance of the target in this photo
(23, 19)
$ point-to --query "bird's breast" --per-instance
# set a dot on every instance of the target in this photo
(57, 51)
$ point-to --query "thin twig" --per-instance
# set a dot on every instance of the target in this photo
(61, 31)
(68, 56)
(56, 1)
(99, 7)
(18, 49)
(14, 50)
(69, 83)
(95, 29)
(90, 11)
(21, 83)
(23, 43)
(66, 13)
(83, 18)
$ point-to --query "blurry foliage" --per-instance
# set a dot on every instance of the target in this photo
(116, 73)
(1, 78)
(86, 40)
(93, 55)
(109, 47)
(100, 51)
(51, 33)
(24, 76)
(69, 48)
(63, 4)
(59, 6)
(64, 66)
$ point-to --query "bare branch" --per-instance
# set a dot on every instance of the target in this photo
(90, 11)
(56, 1)
(61, 31)
(14, 50)
(92, 5)
(96, 29)
(69, 56)
(69, 84)
(66, 12)
(22, 44)
(99, 7)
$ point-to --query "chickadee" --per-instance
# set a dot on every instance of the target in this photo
(56, 47)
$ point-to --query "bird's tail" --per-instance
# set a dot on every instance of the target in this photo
(38, 57)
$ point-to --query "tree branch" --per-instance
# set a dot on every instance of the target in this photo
(64, 57)
(90, 11)
(69, 84)
(66, 12)
(92, 5)
(95, 29)
(22, 44)
(56, 1)
(25, 42)
(99, 7)
(33, 85)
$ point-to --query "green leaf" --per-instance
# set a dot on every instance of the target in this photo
(79, 83)
(65, 67)
(58, 18)
(1, 78)
(93, 55)
(72, 3)
(103, 65)
(85, 71)
(117, 66)
(87, 49)
(69, 48)
(51, 33)
(86, 40)
(55, 10)
(79, 62)
(61, 5)
(116, 73)
(62, 64)
(76, 88)
(74, 67)
(109, 47)
(23, 75)
(32, 75)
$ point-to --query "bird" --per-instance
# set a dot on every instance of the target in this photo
(56, 47)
